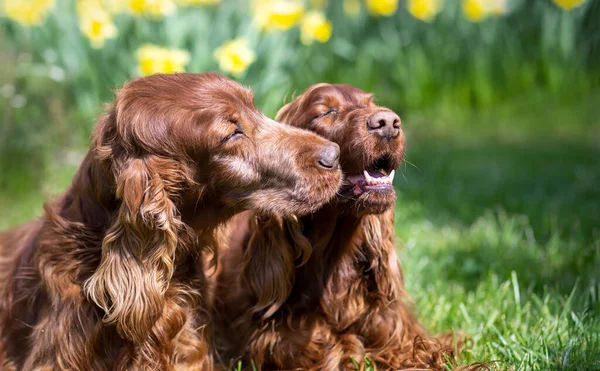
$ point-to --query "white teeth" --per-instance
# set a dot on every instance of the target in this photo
(381, 180)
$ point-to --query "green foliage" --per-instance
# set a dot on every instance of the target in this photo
(54, 84)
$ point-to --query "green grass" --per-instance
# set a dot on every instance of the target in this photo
(498, 224)
(499, 228)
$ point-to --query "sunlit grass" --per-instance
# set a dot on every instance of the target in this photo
(499, 233)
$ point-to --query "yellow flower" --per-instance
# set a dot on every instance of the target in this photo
(568, 4)
(382, 7)
(28, 12)
(155, 59)
(153, 8)
(423, 10)
(111, 6)
(272, 15)
(197, 2)
(234, 56)
(497, 7)
(95, 23)
(352, 7)
(474, 10)
(315, 26)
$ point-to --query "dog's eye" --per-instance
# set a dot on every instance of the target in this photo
(330, 111)
(237, 133)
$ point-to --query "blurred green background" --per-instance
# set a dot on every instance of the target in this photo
(498, 215)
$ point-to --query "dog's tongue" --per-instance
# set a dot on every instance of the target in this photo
(359, 183)
(355, 178)
(375, 174)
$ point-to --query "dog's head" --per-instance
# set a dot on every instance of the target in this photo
(370, 138)
(178, 148)
(235, 156)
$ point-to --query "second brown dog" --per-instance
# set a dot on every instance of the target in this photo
(325, 291)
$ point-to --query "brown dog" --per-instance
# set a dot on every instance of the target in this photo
(111, 276)
(326, 291)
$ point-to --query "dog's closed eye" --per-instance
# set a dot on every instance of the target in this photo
(329, 111)
(237, 133)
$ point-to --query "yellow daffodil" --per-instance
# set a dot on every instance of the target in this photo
(474, 10)
(96, 23)
(28, 12)
(111, 6)
(568, 4)
(382, 7)
(497, 7)
(155, 59)
(197, 2)
(352, 7)
(152, 8)
(315, 26)
(424, 10)
(234, 56)
(477, 10)
(272, 15)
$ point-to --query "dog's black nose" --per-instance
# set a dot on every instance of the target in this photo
(385, 124)
(330, 156)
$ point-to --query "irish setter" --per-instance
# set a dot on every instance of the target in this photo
(111, 277)
(325, 291)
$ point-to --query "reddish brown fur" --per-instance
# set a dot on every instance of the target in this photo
(315, 292)
(111, 276)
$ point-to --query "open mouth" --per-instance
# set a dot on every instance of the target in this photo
(378, 177)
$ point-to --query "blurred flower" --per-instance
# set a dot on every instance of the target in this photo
(315, 26)
(113, 6)
(153, 8)
(155, 59)
(474, 10)
(56, 73)
(18, 101)
(197, 2)
(95, 22)
(568, 4)
(234, 56)
(352, 7)
(318, 4)
(7, 90)
(477, 10)
(28, 12)
(271, 15)
(424, 10)
(497, 7)
(382, 7)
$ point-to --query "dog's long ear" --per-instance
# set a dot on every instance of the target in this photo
(295, 112)
(275, 248)
(286, 112)
(138, 249)
(379, 248)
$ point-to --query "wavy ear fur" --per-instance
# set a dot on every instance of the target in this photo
(378, 242)
(274, 247)
(138, 249)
